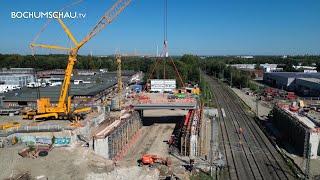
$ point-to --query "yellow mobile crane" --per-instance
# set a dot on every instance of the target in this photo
(45, 110)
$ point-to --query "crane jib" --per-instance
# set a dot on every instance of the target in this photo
(44, 108)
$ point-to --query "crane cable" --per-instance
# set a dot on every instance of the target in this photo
(43, 28)
(165, 48)
(164, 52)
(165, 20)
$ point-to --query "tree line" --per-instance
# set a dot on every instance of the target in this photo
(187, 65)
(59, 61)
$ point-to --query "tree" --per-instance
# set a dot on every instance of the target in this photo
(289, 67)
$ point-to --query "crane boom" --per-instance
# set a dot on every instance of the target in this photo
(106, 19)
(44, 106)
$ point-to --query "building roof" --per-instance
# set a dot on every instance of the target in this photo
(294, 74)
(15, 75)
(91, 89)
(31, 94)
(312, 80)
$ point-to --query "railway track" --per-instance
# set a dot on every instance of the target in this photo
(250, 154)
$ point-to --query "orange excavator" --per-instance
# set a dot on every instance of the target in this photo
(151, 160)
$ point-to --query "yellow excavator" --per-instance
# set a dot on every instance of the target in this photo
(62, 110)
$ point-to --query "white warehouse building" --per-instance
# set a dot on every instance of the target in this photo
(17, 79)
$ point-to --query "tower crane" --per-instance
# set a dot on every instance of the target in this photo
(46, 110)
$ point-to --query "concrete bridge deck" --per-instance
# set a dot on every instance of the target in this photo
(163, 101)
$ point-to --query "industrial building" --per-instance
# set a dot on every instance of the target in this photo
(265, 67)
(17, 79)
(244, 66)
(270, 67)
(308, 86)
(17, 76)
(17, 71)
(298, 130)
(289, 80)
(95, 88)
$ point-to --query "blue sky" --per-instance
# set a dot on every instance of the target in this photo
(203, 27)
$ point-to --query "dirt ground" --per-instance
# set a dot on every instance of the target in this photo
(251, 102)
(153, 139)
(68, 163)
(61, 163)
(81, 163)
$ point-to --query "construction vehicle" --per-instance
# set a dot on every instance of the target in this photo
(46, 110)
(9, 125)
(151, 160)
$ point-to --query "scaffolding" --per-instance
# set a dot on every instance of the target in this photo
(190, 140)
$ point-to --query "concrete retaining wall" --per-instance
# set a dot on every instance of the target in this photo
(113, 143)
(293, 132)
